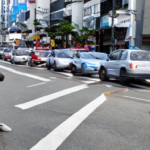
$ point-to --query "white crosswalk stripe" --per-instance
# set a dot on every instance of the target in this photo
(50, 97)
(58, 135)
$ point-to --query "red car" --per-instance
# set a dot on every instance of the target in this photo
(6, 54)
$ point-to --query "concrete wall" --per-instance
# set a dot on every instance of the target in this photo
(31, 19)
(140, 4)
(77, 13)
(146, 23)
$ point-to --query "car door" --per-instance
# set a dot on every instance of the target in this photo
(113, 64)
(52, 58)
(77, 61)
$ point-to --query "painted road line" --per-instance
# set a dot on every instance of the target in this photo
(108, 86)
(51, 97)
(139, 99)
(88, 82)
(53, 140)
(5, 62)
(66, 74)
(25, 74)
(42, 65)
(36, 84)
(53, 78)
(94, 79)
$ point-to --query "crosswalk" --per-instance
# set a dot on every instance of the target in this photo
(53, 140)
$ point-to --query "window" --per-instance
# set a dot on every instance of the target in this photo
(115, 56)
(124, 55)
(97, 8)
(87, 11)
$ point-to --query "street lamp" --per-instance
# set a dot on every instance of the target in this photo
(112, 42)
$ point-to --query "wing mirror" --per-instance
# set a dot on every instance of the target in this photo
(107, 59)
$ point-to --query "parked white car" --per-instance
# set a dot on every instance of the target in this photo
(19, 56)
(126, 64)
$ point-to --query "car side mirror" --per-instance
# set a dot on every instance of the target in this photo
(107, 59)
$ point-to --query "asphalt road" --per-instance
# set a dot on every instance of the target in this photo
(50, 110)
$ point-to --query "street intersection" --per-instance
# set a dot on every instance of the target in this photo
(50, 110)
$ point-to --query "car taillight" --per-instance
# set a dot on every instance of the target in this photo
(133, 66)
(39, 59)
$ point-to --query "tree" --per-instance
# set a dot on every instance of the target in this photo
(66, 28)
(83, 35)
(23, 25)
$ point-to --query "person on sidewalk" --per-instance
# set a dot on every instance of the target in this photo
(4, 127)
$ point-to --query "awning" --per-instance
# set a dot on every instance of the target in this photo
(93, 45)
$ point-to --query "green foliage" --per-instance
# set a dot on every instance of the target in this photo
(23, 25)
(36, 22)
(66, 27)
(83, 35)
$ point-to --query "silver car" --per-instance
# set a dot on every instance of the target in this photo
(59, 59)
(126, 64)
(87, 62)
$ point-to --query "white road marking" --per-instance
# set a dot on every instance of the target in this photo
(50, 97)
(53, 140)
(41, 65)
(88, 82)
(109, 86)
(140, 99)
(66, 74)
(53, 78)
(25, 74)
(5, 62)
(36, 84)
(94, 79)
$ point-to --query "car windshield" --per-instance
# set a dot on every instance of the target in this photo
(140, 55)
(86, 56)
(99, 56)
(22, 53)
(7, 50)
(42, 54)
(64, 54)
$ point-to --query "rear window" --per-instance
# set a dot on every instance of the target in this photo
(140, 56)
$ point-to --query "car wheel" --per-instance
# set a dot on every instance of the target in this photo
(123, 79)
(55, 66)
(82, 68)
(73, 69)
(11, 61)
(103, 74)
(48, 67)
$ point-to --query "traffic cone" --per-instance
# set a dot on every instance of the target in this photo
(5, 128)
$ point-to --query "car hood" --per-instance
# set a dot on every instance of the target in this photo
(65, 60)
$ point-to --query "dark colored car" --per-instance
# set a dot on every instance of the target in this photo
(2, 76)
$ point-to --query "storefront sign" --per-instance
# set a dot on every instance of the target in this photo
(32, 1)
(104, 21)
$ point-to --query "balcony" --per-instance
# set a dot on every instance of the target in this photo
(71, 1)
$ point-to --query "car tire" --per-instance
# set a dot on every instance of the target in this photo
(55, 66)
(103, 74)
(11, 61)
(82, 68)
(48, 67)
(73, 69)
(123, 79)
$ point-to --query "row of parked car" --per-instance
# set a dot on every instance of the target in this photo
(121, 64)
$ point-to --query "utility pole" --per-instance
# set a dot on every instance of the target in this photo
(112, 42)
